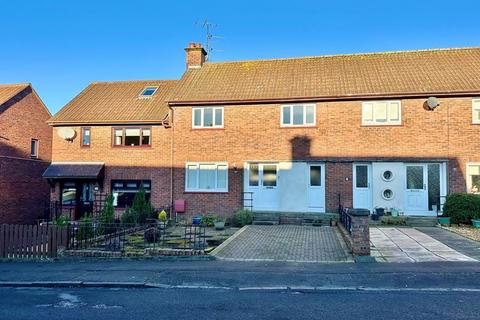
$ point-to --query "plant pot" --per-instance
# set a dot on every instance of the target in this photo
(476, 223)
(196, 221)
(333, 223)
(219, 225)
(444, 221)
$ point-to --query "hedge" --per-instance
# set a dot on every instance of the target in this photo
(462, 207)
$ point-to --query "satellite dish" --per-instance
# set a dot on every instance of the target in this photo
(432, 103)
(66, 133)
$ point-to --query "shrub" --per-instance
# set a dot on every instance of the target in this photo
(62, 221)
(85, 229)
(107, 216)
(162, 216)
(208, 220)
(241, 218)
(140, 211)
(462, 207)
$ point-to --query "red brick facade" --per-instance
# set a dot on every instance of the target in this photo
(23, 192)
(129, 163)
(253, 132)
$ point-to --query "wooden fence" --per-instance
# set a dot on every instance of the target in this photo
(31, 241)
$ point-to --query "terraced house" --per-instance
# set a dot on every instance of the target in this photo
(396, 130)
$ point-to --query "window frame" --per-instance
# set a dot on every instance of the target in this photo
(34, 155)
(123, 145)
(475, 106)
(388, 122)
(197, 189)
(83, 129)
(142, 96)
(467, 175)
(126, 181)
(304, 123)
(202, 117)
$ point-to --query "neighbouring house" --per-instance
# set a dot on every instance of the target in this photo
(111, 138)
(25, 152)
(394, 130)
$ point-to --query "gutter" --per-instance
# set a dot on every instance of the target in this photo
(368, 96)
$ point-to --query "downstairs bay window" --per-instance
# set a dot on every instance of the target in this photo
(206, 177)
(124, 191)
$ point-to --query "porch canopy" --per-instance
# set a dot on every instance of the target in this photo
(75, 171)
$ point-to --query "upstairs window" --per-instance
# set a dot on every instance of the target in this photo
(85, 137)
(132, 137)
(476, 111)
(124, 191)
(206, 177)
(207, 117)
(148, 92)
(34, 148)
(381, 113)
(298, 115)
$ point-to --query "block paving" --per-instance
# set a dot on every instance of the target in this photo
(285, 243)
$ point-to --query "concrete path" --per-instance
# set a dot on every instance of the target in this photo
(410, 245)
(455, 241)
(285, 243)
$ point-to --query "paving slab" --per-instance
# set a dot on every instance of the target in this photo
(285, 243)
(411, 245)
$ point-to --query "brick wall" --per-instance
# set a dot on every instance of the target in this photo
(135, 163)
(23, 191)
(253, 132)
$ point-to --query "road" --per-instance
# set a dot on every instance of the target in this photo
(222, 290)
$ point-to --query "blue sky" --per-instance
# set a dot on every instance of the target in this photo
(61, 46)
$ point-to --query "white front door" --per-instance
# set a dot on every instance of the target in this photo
(362, 186)
(263, 183)
(416, 189)
(316, 187)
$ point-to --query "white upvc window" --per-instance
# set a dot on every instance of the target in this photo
(381, 113)
(207, 117)
(206, 177)
(476, 110)
(473, 177)
(298, 115)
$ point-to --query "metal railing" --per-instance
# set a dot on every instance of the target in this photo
(346, 219)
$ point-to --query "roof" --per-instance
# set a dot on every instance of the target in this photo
(8, 91)
(407, 73)
(116, 102)
(74, 170)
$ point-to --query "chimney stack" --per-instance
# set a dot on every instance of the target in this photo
(196, 55)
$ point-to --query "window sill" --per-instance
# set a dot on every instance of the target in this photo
(299, 127)
(204, 191)
(133, 147)
(214, 128)
(382, 125)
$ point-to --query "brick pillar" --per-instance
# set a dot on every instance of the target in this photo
(360, 234)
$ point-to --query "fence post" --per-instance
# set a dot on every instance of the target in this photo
(2, 241)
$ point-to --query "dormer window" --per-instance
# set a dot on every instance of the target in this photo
(148, 92)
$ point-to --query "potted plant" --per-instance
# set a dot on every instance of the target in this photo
(444, 220)
(476, 223)
(219, 223)
(162, 217)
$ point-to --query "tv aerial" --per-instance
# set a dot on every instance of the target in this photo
(208, 26)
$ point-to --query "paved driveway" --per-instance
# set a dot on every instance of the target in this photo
(410, 245)
(284, 243)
